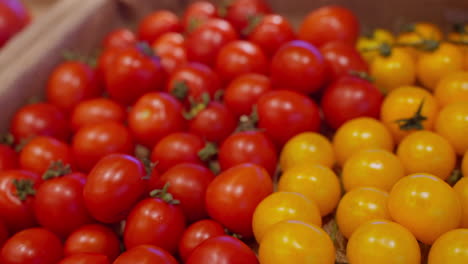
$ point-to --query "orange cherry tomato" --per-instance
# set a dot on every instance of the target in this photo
(464, 165)
(452, 88)
(451, 247)
(452, 124)
(461, 188)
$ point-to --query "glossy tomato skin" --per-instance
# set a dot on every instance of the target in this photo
(247, 182)
(59, 204)
(240, 57)
(156, 24)
(154, 222)
(38, 154)
(271, 33)
(40, 119)
(204, 43)
(85, 258)
(170, 48)
(113, 187)
(8, 158)
(248, 147)
(196, 234)
(95, 141)
(177, 148)
(154, 116)
(243, 92)
(35, 245)
(15, 17)
(96, 110)
(196, 14)
(283, 114)
(132, 74)
(214, 123)
(17, 214)
(348, 98)
(145, 254)
(298, 66)
(119, 38)
(222, 249)
(329, 23)
(238, 12)
(342, 58)
(93, 239)
(70, 83)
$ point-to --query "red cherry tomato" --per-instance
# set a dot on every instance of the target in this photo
(196, 234)
(298, 66)
(146, 255)
(119, 38)
(248, 147)
(35, 245)
(8, 158)
(349, 98)
(96, 110)
(170, 48)
(177, 148)
(238, 12)
(158, 23)
(240, 57)
(14, 17)
(248, 183)
(3, 233)
(95, 141)
(271, 32)
(342, 58)
(39, 153)
(204, 43)
(222, 249)
(244, 91)
(329, 23)
(93, 239)
(196, 14)
(154, 116)
(113, 187)
(40, 119)
(85, 258)
(284, 114)
(17, 190)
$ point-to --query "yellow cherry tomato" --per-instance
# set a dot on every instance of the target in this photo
(452, 88)
(425, 205)
(359, 206)
(372, 168)
(452, 124)
(281, 206)
(450, 248)
(316, 182)
(394, 70)
(427, 152)
(359, 134)
(460, 35)
(464, 165)
(399, 110)
(461, 188)
(368, 45)
(383, 242)
(307, 148)
(432, 66)
(416, 33)
(296, 242)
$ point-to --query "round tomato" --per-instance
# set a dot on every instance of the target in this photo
(451, 247)
(425, 205)
(85, 258)
(40, 119)
(349, 98)
(196, 234)
(113, 187)
(157, 23)
(94, 111)
(359, 206)
(383, 242)
(8, 158)
(243, 92)
(196, 14)
(248, 182)
(284, 114)
(70, 83)
(452, 124)
(461, 188)
(222, 249)
(14, 17)
(316, 182)
(170, 48)
(329, 23)
(240, 57)
(248, 147)
(145, 255)
(369, 45)
(298, 242)
(342, 58)
(239, 12)
(270, 32)
(204, 43)
(453, 87)
(298, 66)
(119, 38)
(17, 189)
(154, 116)
(35, 245)
(155, 222)
(372, 168)
(359, 134)
(93, 239)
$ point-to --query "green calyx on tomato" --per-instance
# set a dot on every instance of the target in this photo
(24, 188)
(253, 23)
(208, 152)
(56, 169)
(196, 106)
(164, 195)
(149, 167)
(414, 122)
(248, 122)
(362, 75)
(223, 7)
(180, 90)
(7, 139)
